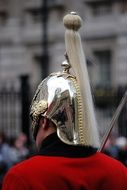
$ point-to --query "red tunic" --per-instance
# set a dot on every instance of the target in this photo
(96, 172)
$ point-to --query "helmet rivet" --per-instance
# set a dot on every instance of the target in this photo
(66, 66)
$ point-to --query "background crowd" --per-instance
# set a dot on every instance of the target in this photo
(116, 147)
(13, 151)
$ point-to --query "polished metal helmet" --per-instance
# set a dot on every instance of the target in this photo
(65, 98)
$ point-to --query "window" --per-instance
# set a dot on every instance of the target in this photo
(103, 72)
(100, 7)
(35, 14)
(57, 3)
(123, 7)
(3, 17)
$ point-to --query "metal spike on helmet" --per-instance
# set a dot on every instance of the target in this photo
(65, 98)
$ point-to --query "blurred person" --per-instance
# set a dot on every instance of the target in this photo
(5, 159)
(106, 148)
(65, 132)
(19, 151)
(112, 148)
(5, 151)
(121, 142)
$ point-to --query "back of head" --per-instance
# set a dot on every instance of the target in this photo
(65, 98)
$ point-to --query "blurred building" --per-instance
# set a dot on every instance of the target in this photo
(106, 46)
(22, 51)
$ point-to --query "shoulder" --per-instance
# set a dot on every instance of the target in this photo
(23, 166)
(18, 175)
(26, 164)
(103, 158)
(113, 171)
(13, 180)
(110, 163)
(35, 163)
(29, 172)
(107, 159)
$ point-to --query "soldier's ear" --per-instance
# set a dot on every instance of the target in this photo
(44, 123)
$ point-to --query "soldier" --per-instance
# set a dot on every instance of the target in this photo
(65, 131)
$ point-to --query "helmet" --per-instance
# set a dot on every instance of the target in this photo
(65, 97)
